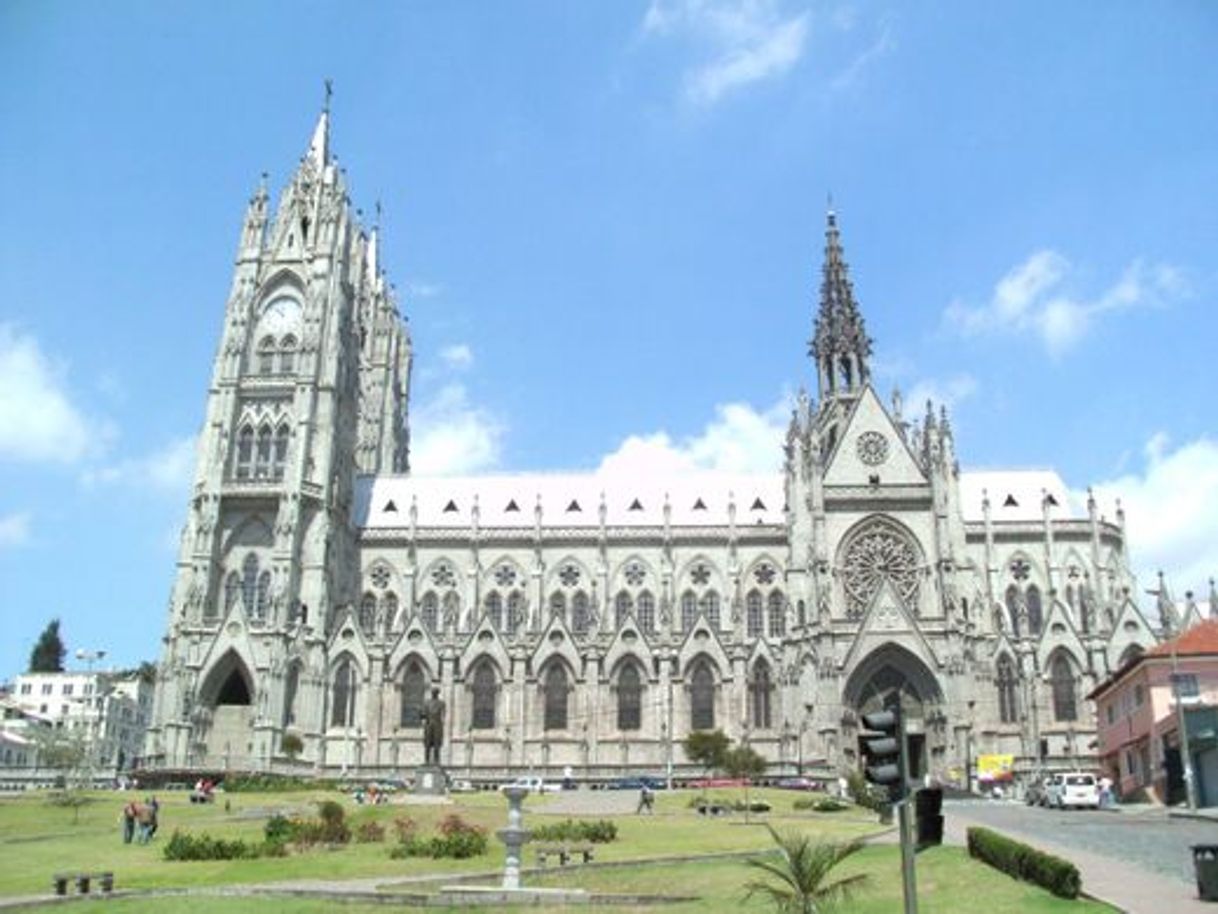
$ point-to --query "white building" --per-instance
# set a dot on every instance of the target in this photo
(575, 620)
(112, 711)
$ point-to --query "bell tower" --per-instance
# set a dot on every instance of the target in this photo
(309, 387)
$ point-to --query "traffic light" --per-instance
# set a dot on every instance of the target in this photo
(882, 752)
(928, 806)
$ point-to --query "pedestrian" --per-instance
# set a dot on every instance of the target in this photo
(128, 820)
(646, 800)
(1105, 792)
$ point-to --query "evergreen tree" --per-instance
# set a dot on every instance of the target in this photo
(47, 655)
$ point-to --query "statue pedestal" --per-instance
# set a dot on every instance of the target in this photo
(430, 781)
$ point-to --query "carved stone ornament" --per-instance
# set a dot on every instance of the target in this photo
(879, 553)
(872, 448)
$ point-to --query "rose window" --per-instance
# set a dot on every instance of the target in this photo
(701, 575)
(444, 576)
(635, 574)
(380, 577)
(505, 575)
(569, 575)
(872, 448)
(878, 554)
(764, 573)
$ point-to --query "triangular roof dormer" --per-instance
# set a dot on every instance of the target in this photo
(629, 641)
(414, 641)
(888, 619)
(485, 642)
(1058, 631)
(702, 639)
(556, 641)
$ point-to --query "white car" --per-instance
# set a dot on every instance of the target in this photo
(1077, 788)
(532, 785)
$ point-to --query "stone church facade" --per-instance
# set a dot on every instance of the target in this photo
(592, 623)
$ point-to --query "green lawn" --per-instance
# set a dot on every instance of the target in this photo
(38, 839)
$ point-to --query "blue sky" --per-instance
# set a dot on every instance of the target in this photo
(605, 221)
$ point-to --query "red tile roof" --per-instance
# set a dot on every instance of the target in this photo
(1202, 638)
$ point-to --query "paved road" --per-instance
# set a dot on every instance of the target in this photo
(1140, 860)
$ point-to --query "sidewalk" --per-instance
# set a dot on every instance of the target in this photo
(1117, 882)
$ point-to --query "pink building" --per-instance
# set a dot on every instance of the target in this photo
(1139, 718)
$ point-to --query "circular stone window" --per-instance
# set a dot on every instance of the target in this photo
(872, 448)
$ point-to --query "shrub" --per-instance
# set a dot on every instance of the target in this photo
(866, 794)
(457, 839)
(270, 783)
(1025, 862)
(280, 829)
(185, 846)
(602, 831)
(405, 828)
(369, 832)
(820, 804)
(334, 829)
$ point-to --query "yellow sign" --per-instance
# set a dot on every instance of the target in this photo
(995, 767)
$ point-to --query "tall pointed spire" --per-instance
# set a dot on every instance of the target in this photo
(319, 146)
(840, 345)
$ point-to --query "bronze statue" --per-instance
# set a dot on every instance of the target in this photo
(433, 728)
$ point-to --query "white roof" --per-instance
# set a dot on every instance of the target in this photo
(697, 499)
(1016, 495)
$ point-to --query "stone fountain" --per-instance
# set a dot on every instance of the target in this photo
(514, 836)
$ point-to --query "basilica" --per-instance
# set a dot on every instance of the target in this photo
(573, 621)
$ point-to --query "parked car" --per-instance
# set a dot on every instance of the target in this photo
(533, 784)
(720, 782)
(461, 785)
(637, 782)
(1077, 789)
(1050, 789)
(1036, 791)
(797, 784)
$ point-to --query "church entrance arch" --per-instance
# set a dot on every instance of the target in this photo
(227, 694)
(890, 677)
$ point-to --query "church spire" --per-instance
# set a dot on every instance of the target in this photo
(319, 146)
(840, 345)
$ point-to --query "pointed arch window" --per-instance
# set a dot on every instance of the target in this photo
(1008, 708)
(709, 605)
(629, 698)
(1065, 705)
(494, 610)
(689, 610)
(762, 688)
(777, 606)
(249, 582)
(262, 454)
(558, 606)
(232, 589)
(414, 693)
(1035, 611)
(1012, 601)
(291, 686)
(262, 599)
(753, 616)
(429, 611)
(344, 694)
(266, 356)
(287, 355)
(556, 698)
(282, 436)
(245, 452)
(581, 615)
(621, 608)
(702, 697)
(647, 612)
(515, 611)
(391, 609)
(485, 691)
(367, 612)
(452, 610)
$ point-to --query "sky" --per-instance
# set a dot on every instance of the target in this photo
(605, 222)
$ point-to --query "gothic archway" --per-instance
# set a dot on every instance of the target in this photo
(227, 699)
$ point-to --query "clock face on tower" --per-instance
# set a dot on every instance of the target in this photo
(282, 315)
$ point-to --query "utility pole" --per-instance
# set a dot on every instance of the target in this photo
(1190, 782)
(909, 880)
(886, 764)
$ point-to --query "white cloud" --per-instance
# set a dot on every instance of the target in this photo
(38, 420)
(748, 41)
(453, 437)
(1034, 298)
(417, 289)
(739, 439)
(169, 469)
(1171, 512)
(14, 529)
(883, 44)
(949, 393)
(457, 357)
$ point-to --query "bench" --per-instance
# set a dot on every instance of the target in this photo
(564, 853)
(59, 882)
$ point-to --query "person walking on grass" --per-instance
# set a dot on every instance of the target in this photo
(646, 801)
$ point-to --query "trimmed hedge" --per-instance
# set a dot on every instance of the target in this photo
(186, 846)
(820, 804)
(457, 839)
(1025, 862)
(602, 831)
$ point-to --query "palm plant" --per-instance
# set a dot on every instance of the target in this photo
(797, 882)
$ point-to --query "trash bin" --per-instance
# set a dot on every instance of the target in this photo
(1205, 862)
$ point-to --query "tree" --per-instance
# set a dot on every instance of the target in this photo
(707, 748)
(292, 745)
(47, 655)
(743, 762)
(797, 879)
(67, 751)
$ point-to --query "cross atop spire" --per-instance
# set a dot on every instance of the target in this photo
(840, 345)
